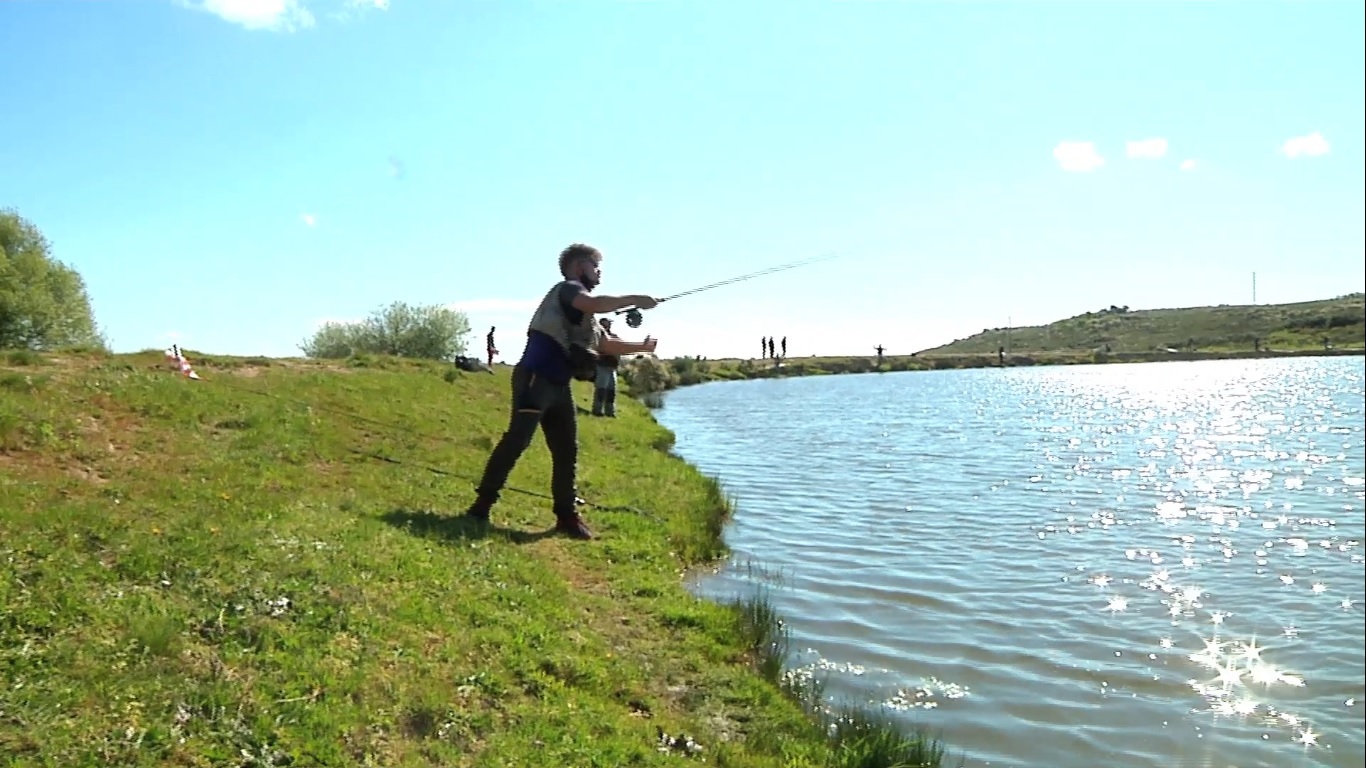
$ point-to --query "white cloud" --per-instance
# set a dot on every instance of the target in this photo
(352, 9)
(1311, 145)
(282, 15)
(309, 219)
(1147, 148)
(495, 305)
(1187, 165)
(271, 15)
(1077, 156)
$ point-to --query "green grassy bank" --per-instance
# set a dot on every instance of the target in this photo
(1301, 326)
(207, 573)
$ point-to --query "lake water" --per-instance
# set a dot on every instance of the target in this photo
(1117, 565)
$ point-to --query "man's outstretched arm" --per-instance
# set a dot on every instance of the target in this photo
(620, 347)
(598, 305)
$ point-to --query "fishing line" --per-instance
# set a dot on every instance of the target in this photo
(409, 432)
(446, 473)
(633, 314)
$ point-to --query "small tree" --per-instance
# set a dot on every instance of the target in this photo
(43, 302)
(431, 332)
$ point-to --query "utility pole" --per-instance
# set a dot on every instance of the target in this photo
(1010, 324)
(1254, 287)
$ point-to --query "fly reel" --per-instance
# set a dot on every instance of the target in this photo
(634, 318)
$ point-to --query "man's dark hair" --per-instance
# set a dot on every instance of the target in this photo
(575, 252)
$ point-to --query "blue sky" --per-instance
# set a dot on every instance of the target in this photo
(228, 174)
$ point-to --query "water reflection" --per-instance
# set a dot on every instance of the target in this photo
(1002, 551)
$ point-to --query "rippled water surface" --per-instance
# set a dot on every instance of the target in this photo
(1119, 565)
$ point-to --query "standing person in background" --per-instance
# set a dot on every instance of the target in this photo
(562, 341)
(605, 385)
(492, 350)
(763, 347)
(784, 347)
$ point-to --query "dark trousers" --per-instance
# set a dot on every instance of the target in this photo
(550, 406)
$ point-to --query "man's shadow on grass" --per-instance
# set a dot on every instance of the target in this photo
(456, 527)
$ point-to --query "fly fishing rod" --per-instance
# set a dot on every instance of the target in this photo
(633, 314)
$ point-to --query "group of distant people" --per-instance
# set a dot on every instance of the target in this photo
(769, 351)
(778, 351)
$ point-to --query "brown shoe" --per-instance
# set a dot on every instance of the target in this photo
(573, 526)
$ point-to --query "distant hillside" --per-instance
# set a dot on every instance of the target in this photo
(1306, 325)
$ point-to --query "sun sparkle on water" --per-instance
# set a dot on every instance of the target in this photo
(1234, 665)
(1201, 526)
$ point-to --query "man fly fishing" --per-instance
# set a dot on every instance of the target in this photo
(563, 343)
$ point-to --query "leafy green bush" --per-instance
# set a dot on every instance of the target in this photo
(689, 370)
(647, 375)
(431, 332)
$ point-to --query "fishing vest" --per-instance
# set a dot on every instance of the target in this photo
(578, 340)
